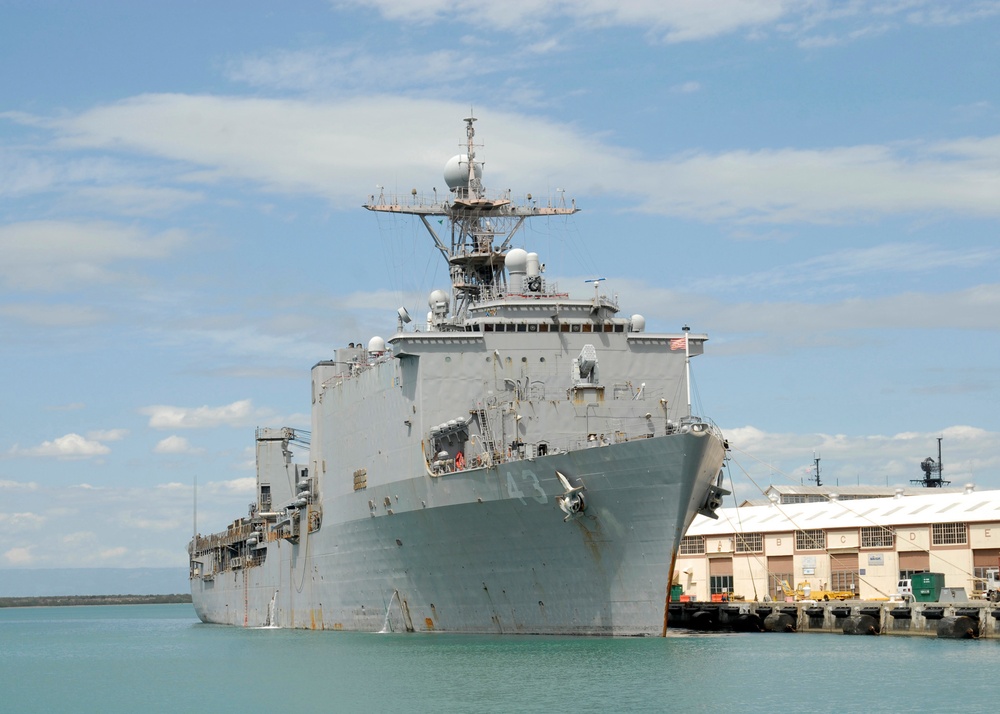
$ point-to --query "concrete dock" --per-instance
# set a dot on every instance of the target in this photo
(956, 620)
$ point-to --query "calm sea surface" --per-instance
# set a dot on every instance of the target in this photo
(159, 658)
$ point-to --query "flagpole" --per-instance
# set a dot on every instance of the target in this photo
(687, 366)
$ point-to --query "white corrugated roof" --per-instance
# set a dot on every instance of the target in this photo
(846, 492)
(978, 506)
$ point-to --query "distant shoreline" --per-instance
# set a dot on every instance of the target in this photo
(69, 600)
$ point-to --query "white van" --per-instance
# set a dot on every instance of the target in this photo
(904, 589)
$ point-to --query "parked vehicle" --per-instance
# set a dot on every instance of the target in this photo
(804, 591)
(991, 590)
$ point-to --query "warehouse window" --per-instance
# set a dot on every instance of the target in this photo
(749, 542)
(810, 540)
(948, 534)
(692, 545)
(877, 537)
(720, 584)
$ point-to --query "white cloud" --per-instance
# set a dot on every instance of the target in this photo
(687, 87)
(324, 148)
(781, 323)
(175, 445)
(351, 67)
(833, 185)
(7, 485)
(108, 434)
(48, 315)
(57, 255)
(760, 458)
(844, 267)
(16, 523)
(976, 308)
(133, 200)
(693, 20)
(19, 556)
(72, 406)
(241, 413)
(678, 20)
(247, 485)
(147, 523)
(52, 526)
(71, 446)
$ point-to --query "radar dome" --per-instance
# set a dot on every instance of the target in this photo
(376, 344)
(437, 299)
(456, 171)
(638, 323)
(516, 261)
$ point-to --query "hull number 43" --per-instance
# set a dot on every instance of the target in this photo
(529, 482)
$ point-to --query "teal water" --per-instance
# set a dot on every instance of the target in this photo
(159, 658)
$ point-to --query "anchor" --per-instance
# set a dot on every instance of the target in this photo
(572, 501)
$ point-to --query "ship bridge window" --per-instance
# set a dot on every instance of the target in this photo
(487, 327)
(544, 327)
(574, 328)
(564, 327)
(587, 327)
(532, 327)
(522, 327)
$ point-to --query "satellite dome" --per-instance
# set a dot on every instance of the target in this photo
(638, 323)
(456, 171)
(376, 344)
(516, 261)
(437, 299)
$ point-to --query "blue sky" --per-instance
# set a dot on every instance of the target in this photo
(815, 184)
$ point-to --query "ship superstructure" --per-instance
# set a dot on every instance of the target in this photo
(520, 461)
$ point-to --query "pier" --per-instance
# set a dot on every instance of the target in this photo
(955, 620)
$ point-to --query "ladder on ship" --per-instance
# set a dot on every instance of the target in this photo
(486, 433)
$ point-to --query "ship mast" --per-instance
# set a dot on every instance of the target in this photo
(482, 226)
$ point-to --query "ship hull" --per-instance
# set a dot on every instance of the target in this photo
(486, 550)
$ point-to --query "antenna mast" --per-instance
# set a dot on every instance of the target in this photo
(930, 468)
(687, 366)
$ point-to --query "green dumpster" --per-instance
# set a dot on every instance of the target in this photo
(927, 586)
(675, 593)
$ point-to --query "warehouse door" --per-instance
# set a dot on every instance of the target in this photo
(779, 567)
(983, 560)
(844, 572)
(720, 576)
(913, 561)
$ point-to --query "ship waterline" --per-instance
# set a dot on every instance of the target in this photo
(521, 462)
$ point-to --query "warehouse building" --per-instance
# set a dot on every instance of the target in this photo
(864, 545)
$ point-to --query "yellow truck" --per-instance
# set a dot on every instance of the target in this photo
(804, 591)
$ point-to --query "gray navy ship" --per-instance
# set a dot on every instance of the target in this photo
(523, 461)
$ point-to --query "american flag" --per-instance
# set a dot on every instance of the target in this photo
(678, 343)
